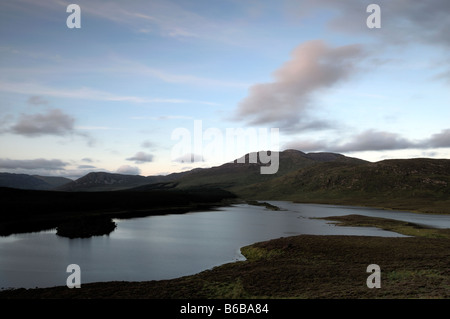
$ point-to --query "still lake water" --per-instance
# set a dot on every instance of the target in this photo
(170, 246)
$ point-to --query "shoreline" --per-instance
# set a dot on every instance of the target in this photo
(277, 269)
(48, 221)
(33, 211)
(376, 206)
(313, 259)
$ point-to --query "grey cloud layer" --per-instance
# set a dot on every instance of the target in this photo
(286, 102)
(372, 140)
(441, 139)
(40, 163)
(375, 141)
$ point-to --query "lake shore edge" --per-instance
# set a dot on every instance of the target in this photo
(302, 266)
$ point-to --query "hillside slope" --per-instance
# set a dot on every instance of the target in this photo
(103, 181)
(413, 184)
(34, 182)
(236, 176)
(230, 176)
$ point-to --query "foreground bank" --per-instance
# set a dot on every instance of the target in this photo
(305, 266)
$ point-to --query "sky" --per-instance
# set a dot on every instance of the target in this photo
(159, 86)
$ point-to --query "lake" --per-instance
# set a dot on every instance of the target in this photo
(170, 246)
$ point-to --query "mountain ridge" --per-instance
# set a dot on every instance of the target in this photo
(331, 178)
(32, 182)
(104, 181)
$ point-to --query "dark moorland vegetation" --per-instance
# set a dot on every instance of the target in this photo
(28, 211)
(83, 227)
(419, 184)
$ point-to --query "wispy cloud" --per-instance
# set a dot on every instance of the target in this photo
(96, 128)
(148, 144)
(37, 100)
(166, 19)
(114, 66)
(159, 17)
(125, 66)
(163, 117)
(85, 93)
(403, 22)
(86, 167)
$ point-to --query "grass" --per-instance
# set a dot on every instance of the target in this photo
(417, 185)
(264, 204)
(397, 226)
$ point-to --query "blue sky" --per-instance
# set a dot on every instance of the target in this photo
(108, 96)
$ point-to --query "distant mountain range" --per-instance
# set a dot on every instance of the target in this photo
(33, 182)
(420, 183)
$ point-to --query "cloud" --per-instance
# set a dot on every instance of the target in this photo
(86, 93)
(412, 21)
(372, 140)
(171, 19)
(53, 122)
(37, 100)
(402, 22)
(287, 102)
(86, 167)
(308, 145)
(40, 163)
(128, 170)
(141, 157)
(135, 68)
(441, 139)
(189, 158)
(148, 144)
(163, 117)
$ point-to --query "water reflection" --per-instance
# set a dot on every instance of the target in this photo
(164, 247)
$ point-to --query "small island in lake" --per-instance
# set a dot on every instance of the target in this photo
(86, 227)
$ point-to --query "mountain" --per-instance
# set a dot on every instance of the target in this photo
(102, 181)
(411, 184)
(230, 176)
(33, 182)
(54, 181)
(420, 184)
(234, 176)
